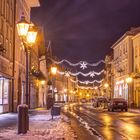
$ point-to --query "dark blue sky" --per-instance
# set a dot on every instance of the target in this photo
(85, 29)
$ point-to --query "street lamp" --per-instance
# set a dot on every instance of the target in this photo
(67, 76)
(22, 27)
(128, 80)
(28, 35)
(106, 85)
(53, 72)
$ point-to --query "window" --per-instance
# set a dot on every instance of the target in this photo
(4, 90)
(0, 6)
(1, 89)
(135, 51)
(120, 51)
(7, 48)
(2, 26)
(7, 32)
(10, 51)
(126, 68)
(11, 17)
(124, 49)
(11, 35)
(3, 7)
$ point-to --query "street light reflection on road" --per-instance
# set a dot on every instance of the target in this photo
(108, 133)
(107, 120)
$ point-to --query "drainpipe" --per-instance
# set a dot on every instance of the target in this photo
(13, 70)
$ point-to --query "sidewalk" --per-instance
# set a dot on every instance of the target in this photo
(134, 110)
(41, 127)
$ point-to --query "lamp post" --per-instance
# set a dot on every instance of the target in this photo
(53, 72)
(28, 34)
(67, 75)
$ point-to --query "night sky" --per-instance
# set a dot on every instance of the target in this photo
(85, 29)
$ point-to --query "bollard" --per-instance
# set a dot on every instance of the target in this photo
(23, 119)
(55, 111)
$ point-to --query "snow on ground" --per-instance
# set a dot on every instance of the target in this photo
(42, 128)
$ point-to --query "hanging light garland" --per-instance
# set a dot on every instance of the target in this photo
(91, 73)
(90, 82)
(76, 81)
(86, 82)
(83, 64)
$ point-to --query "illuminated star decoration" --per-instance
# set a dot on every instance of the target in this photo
(86, 82)
(92, 74)
(83, 65)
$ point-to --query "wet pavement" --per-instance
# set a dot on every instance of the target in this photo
(111, 125)
(81, 132)
(8, 120)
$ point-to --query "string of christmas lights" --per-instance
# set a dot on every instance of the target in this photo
(86, 82)
(83, 64)
(91, 73)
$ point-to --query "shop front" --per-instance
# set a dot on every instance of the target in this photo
(5, 85)
(121, 89)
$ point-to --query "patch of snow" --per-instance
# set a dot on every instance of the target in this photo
(42, 128)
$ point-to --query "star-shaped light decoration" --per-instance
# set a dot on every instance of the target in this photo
(67, 74)
(86, 82)
(92, 74)
(83, 65)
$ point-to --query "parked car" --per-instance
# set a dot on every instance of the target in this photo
(100, 101)
(83, 100)
(117, 103)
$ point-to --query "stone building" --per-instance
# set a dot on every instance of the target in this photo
(136, 69)
(7, 28)
(123, 65)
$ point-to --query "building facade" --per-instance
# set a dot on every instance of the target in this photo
(123, 66)
(7, 24)
(136, 69)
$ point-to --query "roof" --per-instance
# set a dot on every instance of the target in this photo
(132, 32)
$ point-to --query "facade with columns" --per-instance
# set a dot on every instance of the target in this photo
(123, 65)
(7, 43)
(136, 69)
